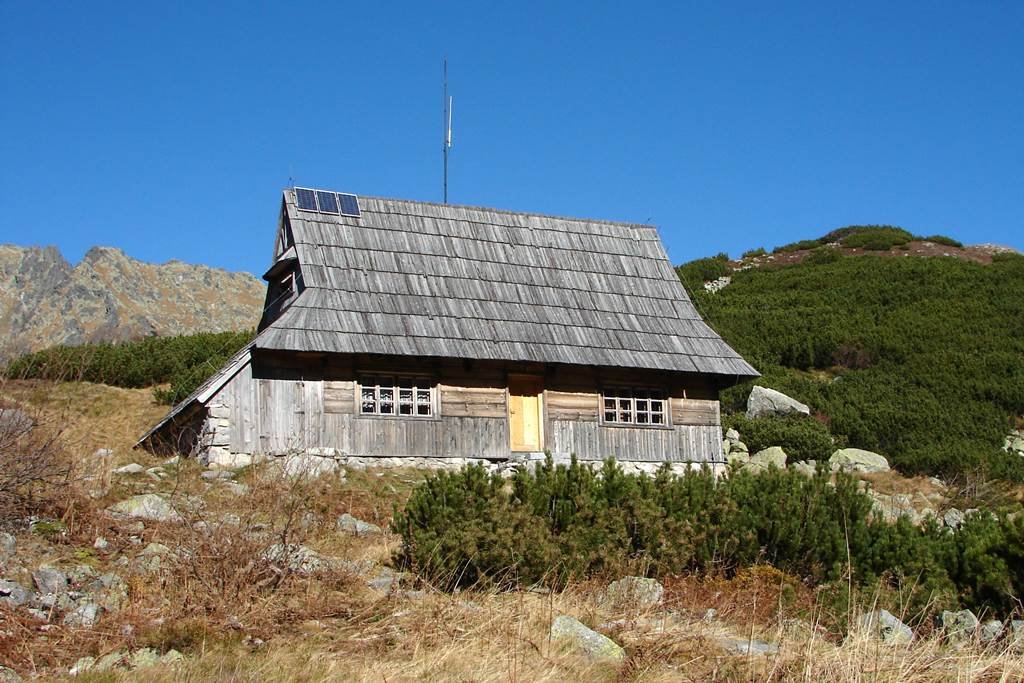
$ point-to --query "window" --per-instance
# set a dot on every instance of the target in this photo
(287, 289)
(639, 407)
(396, 396)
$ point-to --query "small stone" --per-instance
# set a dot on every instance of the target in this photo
(709, 614)
(9, 675)
(49, 580)
(884, 625)
(351, 525)
(1017, 634)
(103, 453)
(634, 592)
(100, 543)
(14, 422)
(14, 594)
(86, 615)
(236, 488)
(589, 642)
(131, 468)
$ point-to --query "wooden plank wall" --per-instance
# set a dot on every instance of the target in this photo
(287, 403)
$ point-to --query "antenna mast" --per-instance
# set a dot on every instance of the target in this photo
(446, 143)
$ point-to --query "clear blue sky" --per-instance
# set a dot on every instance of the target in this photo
(168, 129)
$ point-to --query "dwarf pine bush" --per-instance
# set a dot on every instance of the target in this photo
(558, 522)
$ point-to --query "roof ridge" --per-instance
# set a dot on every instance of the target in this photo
(511, 212)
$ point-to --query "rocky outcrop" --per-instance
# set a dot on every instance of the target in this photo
(886, 627)
(764, 402)
(109, 296)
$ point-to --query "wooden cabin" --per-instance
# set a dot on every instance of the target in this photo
(404, 329)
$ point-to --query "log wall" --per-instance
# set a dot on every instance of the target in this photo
(280, 403)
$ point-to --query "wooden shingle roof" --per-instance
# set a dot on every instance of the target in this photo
(421, 279)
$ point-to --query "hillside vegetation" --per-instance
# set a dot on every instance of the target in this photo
(184, 362)
(921, 359)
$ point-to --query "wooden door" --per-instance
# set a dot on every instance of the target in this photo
(525, 412)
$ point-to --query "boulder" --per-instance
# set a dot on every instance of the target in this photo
(297, 558)
(634, 592)
(746, 647)
(130, 468)
(81, 665)
(953, 518)
(737, 457)
(85, 615)
(990, 631)
(14, 421)
(857, 460)
(9, 675)
(1017, 634)
(764, 402)
(140, 659)
(883, 625)
(805, 467)
(14, 594)
(149, 506)
(732, 435)
(738, 447)
(109, 661)
(763, 459)
(589, 642)
(50, 580)
(350, 524)
(960, 626)
(8, 545)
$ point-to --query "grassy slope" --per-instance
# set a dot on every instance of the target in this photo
(935, 348)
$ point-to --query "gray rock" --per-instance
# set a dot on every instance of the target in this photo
(732, 435)
(297, 558)
(14, 421)
(953, 518)
(109, 661)
(131, 468)
(146, 657)
(764, 401)
(102, 453)
(351, 525)
(634, 592)
(959, 626)
(766, 458)
(50, 580)
(101, 543)
(885, 626)
(210, 475)
(8, 545)
(307, 465)
(589, 642)
(738, 447)
(738, 458)
(149, 506)
(85, 615)
(14, 594)
(1017, 634)
(82, 665)
(9, 675)
(172, 656)
(236, 488)
(857, 460)
(804, 467)
(990, 631)
(746, 647)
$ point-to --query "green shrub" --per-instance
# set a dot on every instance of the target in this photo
(798, 246)
(753, 253)
(876, 238)
(802, 437)
(184, 361)
(931, 352)
(942, 239)
(557, 522)
(820, 256)
(703, 270)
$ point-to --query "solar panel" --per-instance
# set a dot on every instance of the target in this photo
(328, 201)
(306, 199)
(349, 204)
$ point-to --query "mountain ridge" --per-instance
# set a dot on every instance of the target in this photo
(109, 296)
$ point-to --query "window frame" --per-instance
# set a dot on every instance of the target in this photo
(419, 382)
(615, 391)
